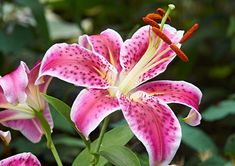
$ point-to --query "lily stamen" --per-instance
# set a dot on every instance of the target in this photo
(162, 35)
(162, 12)
(151, 22)
(179, 52)
(189, 33)
(154, 16)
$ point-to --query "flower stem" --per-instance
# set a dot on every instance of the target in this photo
(95, 159)
(86, 142)
(47, 132)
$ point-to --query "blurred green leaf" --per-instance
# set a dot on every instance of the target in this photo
(14, 40)
(229, 148)
(197, 139)
(38, 13)
(220, 71)
(120, 156)
(231, 27)
(144, 159)
(228, 164)
(117, 136)
(21, 144)
(66, 30)
(219, 111)
(213, 161)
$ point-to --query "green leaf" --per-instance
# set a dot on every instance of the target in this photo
(197, 139)
(60, 107)
(219, 111)
(120, 156)
(60, 122)
(66, 140)
(117, 136)
(229, 148)
(144, 159)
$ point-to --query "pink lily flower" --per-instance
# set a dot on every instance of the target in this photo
(19, 98)
(21, 159)
(115, 73)
(5, 136)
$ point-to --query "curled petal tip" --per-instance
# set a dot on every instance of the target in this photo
(5, 136)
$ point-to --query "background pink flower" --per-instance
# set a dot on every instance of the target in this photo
(19, 98)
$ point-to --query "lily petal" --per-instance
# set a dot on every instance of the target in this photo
(177, 92)
(30, 128)
(107, 44)
(8, 115)
(5, 136)
(33, 75)
(2, 98)
(155, 125)
(21, 159)
(77, 65)
(14, 84)
(91, 107)
(133, 49)
(169, 55)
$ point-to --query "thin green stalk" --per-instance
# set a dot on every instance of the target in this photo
(86, 142)
(95, 159)
(170, 8)
(47, 131)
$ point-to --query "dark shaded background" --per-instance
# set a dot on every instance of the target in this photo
(29, 27)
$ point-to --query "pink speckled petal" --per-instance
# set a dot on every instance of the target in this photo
(33, 75)
(30, 128)
(175, 37)
(14, 84)
(77, 65)
(2, 98)
(90, 108)
(133, 49)
(5, 136)
(155, 125)
(177, 92)
(107, 44)
(22, 159)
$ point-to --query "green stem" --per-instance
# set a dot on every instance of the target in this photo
(87, 142)
(95, 159)
(47, 131)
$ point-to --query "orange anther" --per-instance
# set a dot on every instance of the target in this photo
(154, 16)
(179, 52)
(151, 22)
(162, 35)
(189, 33)
(162, 12)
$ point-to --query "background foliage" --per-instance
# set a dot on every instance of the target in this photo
(29, 27)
